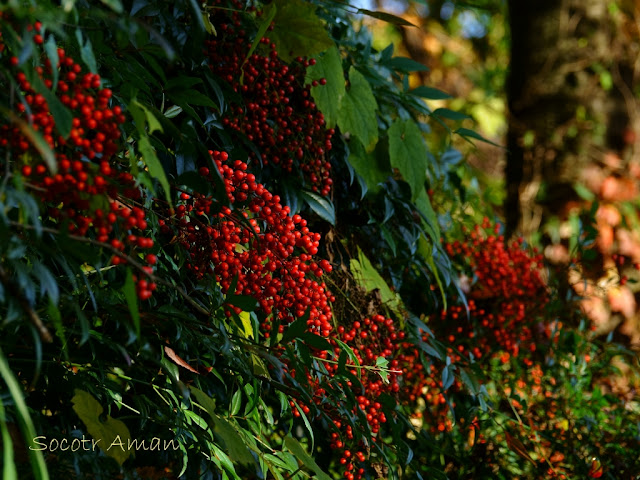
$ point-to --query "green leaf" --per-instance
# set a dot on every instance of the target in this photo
(112, 435)
(86, 52)
(321, 206)
(115, 5)
(268, 14)
(315, 341)
(357, 113)
(51, 47)
(172, 111)
(236, 402)
(297, 328)
(36, 458)
(298, 31)
(404, 64)
(153, 164)
(369, 278)
(192, 97)
(204, 400)
(9, 471)
(151, 119)
(424, 206)
(129, 290)
(298, 451)
(386, 17)
(328, 97)
(467, 133)
(244, 302)
(450, 114)
(409, 154)
(236, 446)
(430, 93)
(374, 167)
(61, 114)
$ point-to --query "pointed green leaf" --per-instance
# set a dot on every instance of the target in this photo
(430, 93)
(298, 451)
(357, 113)
(328, 97)
(129, 290)
(153, 164)
(408, 153)
(321, 206)
(467, 133)
(386, 17)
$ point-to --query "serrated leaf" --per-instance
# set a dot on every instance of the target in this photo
(357, 112)
(409, 154)
(112, 435)
(430, 93)
(328, 96)
(321, 206)
(298, 31)
(129, 290)
(299, 452)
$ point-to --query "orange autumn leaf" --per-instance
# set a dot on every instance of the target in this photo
(179, 361)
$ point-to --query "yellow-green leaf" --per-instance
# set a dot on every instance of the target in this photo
(111, 435)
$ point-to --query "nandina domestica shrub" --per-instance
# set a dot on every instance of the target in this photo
(80, 182)
(170, 240)
(276, 112)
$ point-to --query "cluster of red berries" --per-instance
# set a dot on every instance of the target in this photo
(505, 295)
(505, 298)
(268, 253)
(89, 191)
(276, 111)
(369, 340)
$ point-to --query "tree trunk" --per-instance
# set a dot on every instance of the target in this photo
(571, 70)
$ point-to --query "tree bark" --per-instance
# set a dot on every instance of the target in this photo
(568, 100)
